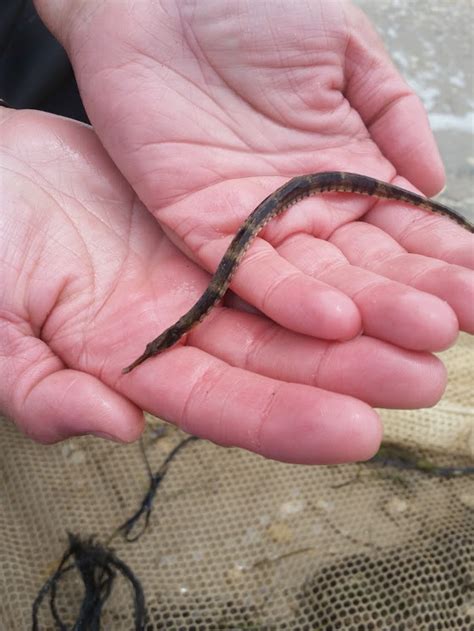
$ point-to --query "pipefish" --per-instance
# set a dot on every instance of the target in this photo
(275, 204)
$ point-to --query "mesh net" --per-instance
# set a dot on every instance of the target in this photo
(239, 542)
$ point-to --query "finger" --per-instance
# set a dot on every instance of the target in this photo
(50, 403)
(378, 252)
(422, 232)
(378, 373)
(390, 311)
(393, 114)
(289, 297)
(233, 407)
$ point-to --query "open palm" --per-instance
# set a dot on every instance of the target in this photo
(87, 276)
(208, 107)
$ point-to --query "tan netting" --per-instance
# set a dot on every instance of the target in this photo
(239, 542)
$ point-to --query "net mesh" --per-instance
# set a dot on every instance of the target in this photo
(239, 542)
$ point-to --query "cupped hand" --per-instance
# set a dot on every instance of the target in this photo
(207, 107)
(87, 277)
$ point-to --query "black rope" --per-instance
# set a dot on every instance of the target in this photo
(147, 503)
(98, 565)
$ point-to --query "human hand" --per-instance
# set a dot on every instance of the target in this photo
(87, 277)
(208, 107)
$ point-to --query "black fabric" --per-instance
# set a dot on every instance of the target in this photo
(34, 69)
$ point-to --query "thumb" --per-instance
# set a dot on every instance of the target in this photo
(391, 111)
(49, 402)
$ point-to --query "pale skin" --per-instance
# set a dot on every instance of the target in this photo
(88, 276)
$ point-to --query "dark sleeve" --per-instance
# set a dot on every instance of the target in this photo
(34, 69)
